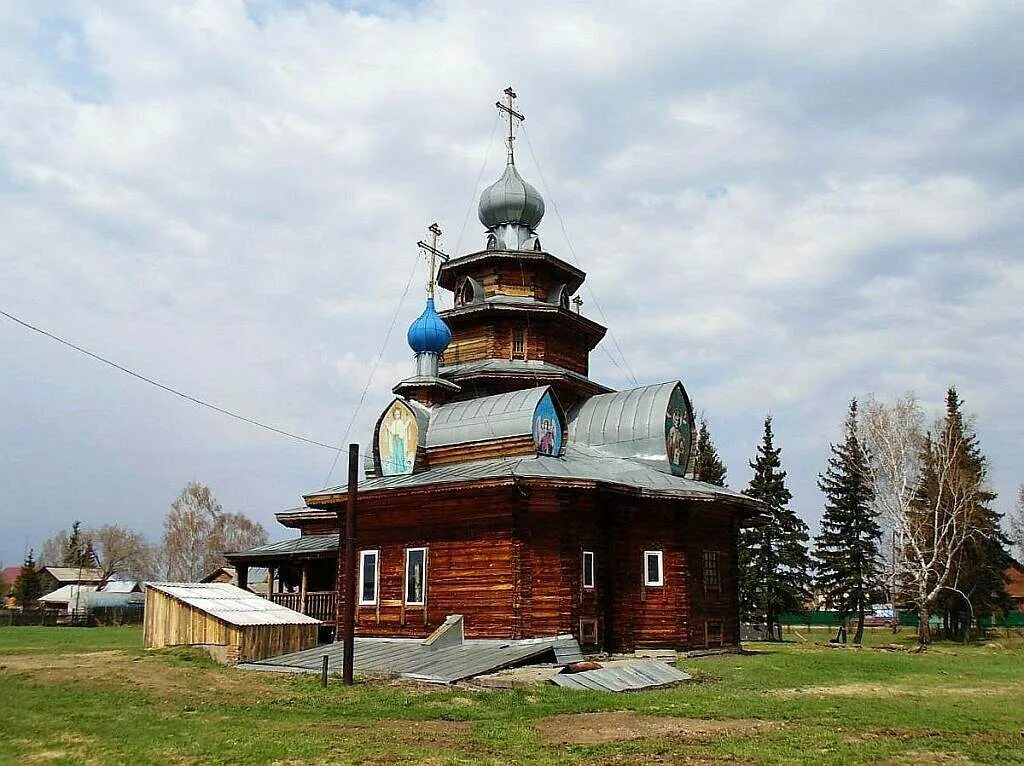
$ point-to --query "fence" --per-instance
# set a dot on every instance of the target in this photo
(100, 615)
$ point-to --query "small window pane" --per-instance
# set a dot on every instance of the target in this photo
(368, 578)
(652, 568)
(588, 569)
(415, 575)
(712, 576)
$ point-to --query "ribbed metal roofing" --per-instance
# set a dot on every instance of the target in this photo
(542, 370)
(578, 463)
(625, 423)
(510, 199)
(487, 417)
(231, 604)
(75, 574)
(307, 544)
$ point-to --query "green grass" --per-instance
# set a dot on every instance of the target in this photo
(77, 696)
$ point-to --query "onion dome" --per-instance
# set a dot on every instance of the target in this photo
(511, 200)
(429, 332)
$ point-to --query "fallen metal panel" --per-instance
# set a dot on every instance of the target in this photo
(620, 678)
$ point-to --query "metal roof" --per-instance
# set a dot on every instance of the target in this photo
(68, 593)
(231, 604)
(578, 463)
(121, 586)
(411, 658)
(627, 423)
(75, 574)
(487, 417)
(621, 678)
(310, 545)
(542, 371)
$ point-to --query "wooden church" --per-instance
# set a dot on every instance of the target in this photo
(510, 488)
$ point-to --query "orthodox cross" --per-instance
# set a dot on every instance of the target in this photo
(578, 303)
(513, 115)
(432, 253)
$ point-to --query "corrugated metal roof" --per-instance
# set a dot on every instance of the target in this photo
(541, 371)
(68, 593)
(121, 586)
(486, 417)
(627, 423)
(231, 604)
(622, 678)
(578, 463)
(307, 544)
(410, 658)
(74, 574)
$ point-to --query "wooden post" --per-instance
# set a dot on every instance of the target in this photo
(323, 671)
(242, 576)
(303, 588)
(348, 629)
(270, 583)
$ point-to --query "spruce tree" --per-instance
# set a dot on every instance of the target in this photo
(28, 587)
(774, 562)
(846, 551)
(981, 567)
(708, 466)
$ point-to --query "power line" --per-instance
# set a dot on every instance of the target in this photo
(163, 387)
(576, 260)
(373, 371)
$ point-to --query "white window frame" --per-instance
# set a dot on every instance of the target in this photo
(405, 579)
(593, 570)
(363, 555)
(648, 582)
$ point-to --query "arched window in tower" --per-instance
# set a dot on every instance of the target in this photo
(492, 242)
(466, 293)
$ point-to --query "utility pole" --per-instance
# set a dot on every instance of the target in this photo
(348, 617)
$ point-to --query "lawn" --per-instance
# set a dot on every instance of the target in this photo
(92, 696)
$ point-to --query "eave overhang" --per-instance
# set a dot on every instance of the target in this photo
(450, 270)
(549, 311)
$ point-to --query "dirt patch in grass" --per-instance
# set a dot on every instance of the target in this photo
(928, 758)
(896, 690)
(620, 726)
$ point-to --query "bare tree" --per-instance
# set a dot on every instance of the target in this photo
(51, 554)
(1016, 520)
(197, 532)
(122, 551)
(925, 498)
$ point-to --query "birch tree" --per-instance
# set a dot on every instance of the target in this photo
(925, 498)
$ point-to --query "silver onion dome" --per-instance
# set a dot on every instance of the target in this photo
(510, 200)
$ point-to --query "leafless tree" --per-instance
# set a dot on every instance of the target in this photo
(197, 532)
(1016, 520)
(924, 497)
(51, 554)
(123, 552)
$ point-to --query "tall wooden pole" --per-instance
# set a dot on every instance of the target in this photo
(348, 628)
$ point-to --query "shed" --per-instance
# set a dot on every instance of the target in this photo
(232, 624)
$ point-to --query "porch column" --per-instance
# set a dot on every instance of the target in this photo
(302, 587)
(270, 583)
(242, 575)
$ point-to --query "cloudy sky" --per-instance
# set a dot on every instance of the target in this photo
(783, 205)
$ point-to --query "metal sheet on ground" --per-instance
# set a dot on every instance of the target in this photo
(621, 678)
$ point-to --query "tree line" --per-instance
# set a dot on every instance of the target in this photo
(908, 519)
(196, 533)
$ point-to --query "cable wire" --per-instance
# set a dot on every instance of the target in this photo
(373, 371)
(472, 199)
(163, 387)
(572, 250)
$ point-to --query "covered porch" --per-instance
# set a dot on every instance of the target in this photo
(302, 573)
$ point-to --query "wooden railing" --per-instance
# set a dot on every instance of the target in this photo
(321, 604)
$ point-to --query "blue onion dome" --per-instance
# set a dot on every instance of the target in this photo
(429, 332)
(511, 200)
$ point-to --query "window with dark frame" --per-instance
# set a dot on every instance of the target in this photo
(415, 576)
(588, 569)
(712, 576)
(654, 571)
(368, 577)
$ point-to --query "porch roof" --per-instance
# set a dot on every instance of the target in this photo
(307, 546)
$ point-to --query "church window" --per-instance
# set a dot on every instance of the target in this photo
(466, 292)
(654, 570)
(368, 577)
(415, 576)
(588, 569)
(712, 575)
(518, 343)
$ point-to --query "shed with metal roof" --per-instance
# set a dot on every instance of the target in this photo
(231, 624)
